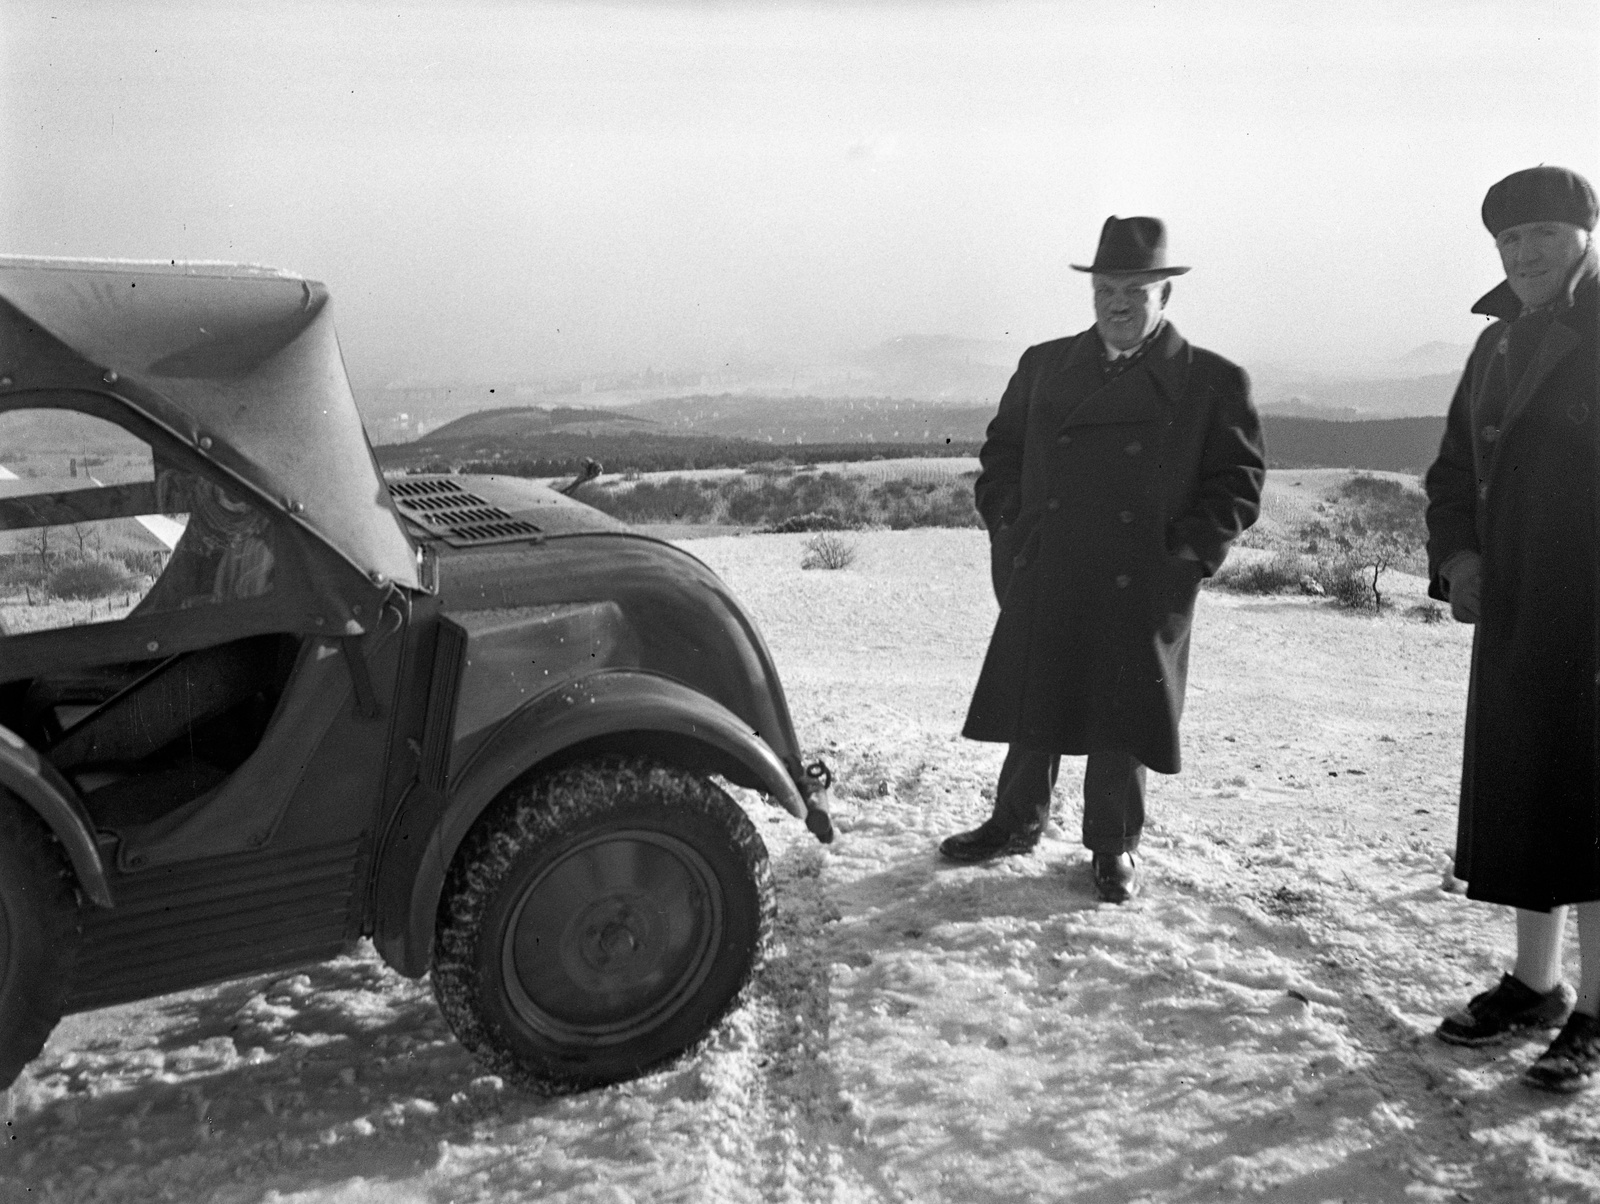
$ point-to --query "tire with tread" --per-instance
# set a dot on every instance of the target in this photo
(598, 921)
(40, 928)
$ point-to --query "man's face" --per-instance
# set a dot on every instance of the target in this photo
(1128, 308)
(1539, 258)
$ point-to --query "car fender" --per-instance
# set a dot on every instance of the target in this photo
(39, 785)
(622, 703)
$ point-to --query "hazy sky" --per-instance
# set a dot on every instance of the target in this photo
(508, 189)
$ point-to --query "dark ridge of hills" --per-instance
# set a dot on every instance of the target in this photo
(563, 453)
(816, 419)
(1386, 444)
(1350, 399)
(519, 421)
(732, 432)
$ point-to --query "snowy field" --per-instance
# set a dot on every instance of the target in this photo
(1257, 1025)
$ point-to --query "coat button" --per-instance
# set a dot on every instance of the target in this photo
(1122, 580)
(1019, 561)
(1126, 516)
(1134, 448)
(1063, 439)
(1053, 504)
(1483, 493)
(1491, 433)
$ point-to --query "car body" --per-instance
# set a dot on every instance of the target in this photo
(316, 701)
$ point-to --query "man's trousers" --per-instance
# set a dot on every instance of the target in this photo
(1113, 796)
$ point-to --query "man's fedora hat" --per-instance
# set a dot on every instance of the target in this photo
(1130, 246)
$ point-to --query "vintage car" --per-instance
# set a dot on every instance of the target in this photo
(256, 702)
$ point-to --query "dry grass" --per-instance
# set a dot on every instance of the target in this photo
(18, 615)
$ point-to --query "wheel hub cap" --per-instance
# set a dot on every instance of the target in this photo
(613, 937)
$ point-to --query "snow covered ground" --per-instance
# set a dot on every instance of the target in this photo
(1256, 1025)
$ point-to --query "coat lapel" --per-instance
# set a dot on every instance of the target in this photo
(1556, 345)
(1168, 364)
(1131, 397)
(1074, 378)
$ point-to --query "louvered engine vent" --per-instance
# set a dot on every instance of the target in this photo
(459, 517)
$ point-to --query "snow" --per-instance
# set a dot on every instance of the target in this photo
(1256, 1025)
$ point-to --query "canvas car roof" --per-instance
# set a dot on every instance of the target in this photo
(239, 361)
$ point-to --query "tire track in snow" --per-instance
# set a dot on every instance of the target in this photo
(812, 1144)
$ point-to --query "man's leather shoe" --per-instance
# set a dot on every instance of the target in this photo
(1116, 877)
(986, 842)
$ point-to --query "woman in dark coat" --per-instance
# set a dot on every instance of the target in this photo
(1512, 524)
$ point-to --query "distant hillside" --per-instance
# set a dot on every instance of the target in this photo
(1436, 356)
(488, 427)
(938, 367)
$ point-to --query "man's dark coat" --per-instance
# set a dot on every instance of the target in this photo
(1515, 482)
(1091, 491)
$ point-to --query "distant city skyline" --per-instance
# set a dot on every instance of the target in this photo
(512, 191)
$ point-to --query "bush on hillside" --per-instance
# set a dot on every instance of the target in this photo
(785, 500)
(827, 550)
(1282, 573)
(906, 504)
(1379, 526)
(804, 522)
(1345, 581)
(142, 562)
(19, 570)
(88, 577)
(772, 501)
(676, 499)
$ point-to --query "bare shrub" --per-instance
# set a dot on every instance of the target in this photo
(941, 502)
(89, 577)
(1314, 534)
(674, 500)
(805, 522)
(828, 550)
(1380, 526)
(1344, 579)
(18, 571)
(776, 497)
(1282, 573)
(142, 562)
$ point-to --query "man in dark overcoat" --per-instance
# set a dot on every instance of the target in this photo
(1122, 463)
(1511, 546)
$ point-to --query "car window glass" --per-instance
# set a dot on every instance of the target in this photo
(95, 526)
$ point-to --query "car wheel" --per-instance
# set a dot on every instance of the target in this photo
(39, 933)
(598, 921)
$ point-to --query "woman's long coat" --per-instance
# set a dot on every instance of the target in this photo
(1515, 482)
(1092, 491)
